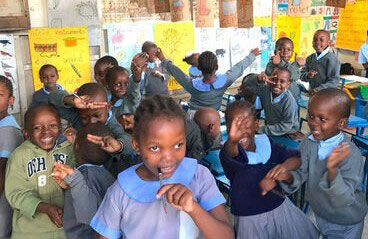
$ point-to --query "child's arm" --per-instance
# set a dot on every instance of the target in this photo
(306, 74)
(238, 69)
(332, 74)
(344, 175)
(178, 74)
(213, 224)
(21, 195)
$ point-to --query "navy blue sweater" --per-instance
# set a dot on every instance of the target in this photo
(246, 197)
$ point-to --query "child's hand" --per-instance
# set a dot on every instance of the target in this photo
(85, 102)
(160, 54)
(256, 52)
(276, 59)
(264, 78)
(179, 196)
(266, 185)
(157, 73)
(107, 143)
(279, 173)
(312, 92)
(127, 121)
(299, 60)
(338, 154)
(311, 74)
(62, 184)
(70, 134)
(237, 129)
(54, 212)
(138, 65)
(61, 170)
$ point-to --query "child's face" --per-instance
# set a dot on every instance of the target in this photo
(5, 99)
(162, 146)
(281, 82)
(89, 116)
(100, 72)
(152, 54)
(251, 125)
(286, 51)
(48, 77)
(45, 129)
(118, 86)
(320, 41)
(323, 118)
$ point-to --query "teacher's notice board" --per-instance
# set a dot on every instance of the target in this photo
(66, 49)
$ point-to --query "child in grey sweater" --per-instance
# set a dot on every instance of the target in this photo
(86, 185)
(332, 167)
(322, 69)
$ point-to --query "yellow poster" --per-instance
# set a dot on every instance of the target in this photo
(262, 22)
(176, 40)
(66, 49)
(309, 25)
(353, 25)
(289, 27)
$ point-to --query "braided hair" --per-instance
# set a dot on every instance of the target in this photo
(8, 84)
(112, 72)
(207, 63)
(157, 106)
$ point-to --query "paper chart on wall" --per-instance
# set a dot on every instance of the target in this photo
(262, 12)
(126, 39)
(309, 25)
(8, 66)
(76, 13)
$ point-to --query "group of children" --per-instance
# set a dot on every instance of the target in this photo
(120, 159)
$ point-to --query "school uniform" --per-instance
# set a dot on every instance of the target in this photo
(281, 112)
(129, 103)
(294, 76)
(208, 95)
(257, 216)
(194, 146)
(71, 115)
(11, 137)
(41, 96)
(363, 56)
(28, 182)
(130, 208)
(153, 85)
(327, 66)
(339, 205)
(87, 187)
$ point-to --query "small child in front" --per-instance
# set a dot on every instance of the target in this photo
(260, 209)
(86, 185)
(280, 107)
(36, 199)
(332, 167)
(162, 196)
(322, 69)
(284, 49)
(48, 76)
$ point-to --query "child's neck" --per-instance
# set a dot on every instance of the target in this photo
(145, 174)
(3, 114)
(209, 79)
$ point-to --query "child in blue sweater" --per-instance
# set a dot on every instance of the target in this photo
(254, 163)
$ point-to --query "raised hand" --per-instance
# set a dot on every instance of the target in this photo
(255, 52)
(85, 102)
(264, 78)
(138, 65)
(299, 60)
(179, 196)
(238, 129)
(276, 59)
(106, 143)
(157, 73)
(338, 155)
(311, 74)
(70, 134)
(61, 170)
(160, 54)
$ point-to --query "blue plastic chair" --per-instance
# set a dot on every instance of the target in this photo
(288, 143)
(362, 144)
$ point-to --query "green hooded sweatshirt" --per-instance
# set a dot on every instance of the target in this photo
(28, 182)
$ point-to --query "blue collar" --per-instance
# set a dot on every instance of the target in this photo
(263, 150)
(323, 53)
(88, 165)
(325, 147)
(219, 83)
(118, 103)
(152, 65)
(258, 103)
(278, 98)
(9, 121)
(194, 72)
(108, 117)
(48, 92)
(145, 191)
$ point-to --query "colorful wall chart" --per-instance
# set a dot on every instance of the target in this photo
(205, 13)
(288, 26)
(8, 66)
(176, 40)
(125, 40)
(309, 25)
(66, 49)
(353, 25)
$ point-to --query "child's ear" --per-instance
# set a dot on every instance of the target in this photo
(11, 100)
(342, 123)
(210, 128)
(135, 144)
(26, 134)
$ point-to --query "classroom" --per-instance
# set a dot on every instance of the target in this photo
(183, 119)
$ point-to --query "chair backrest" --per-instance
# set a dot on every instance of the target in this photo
(213, 158)
(362, 144)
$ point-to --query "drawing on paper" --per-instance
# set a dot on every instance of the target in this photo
(228, 8)
(220, 52)
(87, 10)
